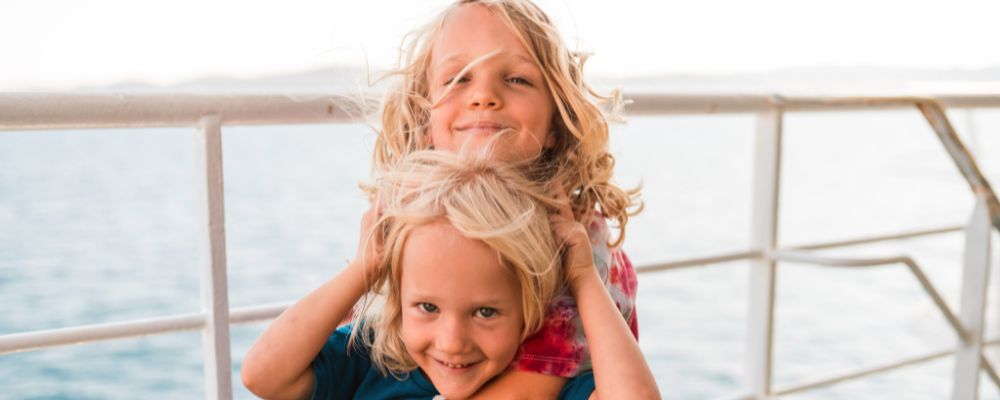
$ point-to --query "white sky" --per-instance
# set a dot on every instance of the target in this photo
(58, 44)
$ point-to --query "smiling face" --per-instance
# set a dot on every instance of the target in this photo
(502, 92)
(461, 309)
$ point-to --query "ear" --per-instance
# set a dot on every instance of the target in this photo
(550, 139)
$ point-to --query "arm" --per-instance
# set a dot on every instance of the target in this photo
(548, 359)
(522, 385)
(278, 365)
(620, 370)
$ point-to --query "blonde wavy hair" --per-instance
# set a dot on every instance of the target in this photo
(579, 160)
(483, 199)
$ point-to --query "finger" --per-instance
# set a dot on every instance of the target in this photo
(565, 210)
(558, 225)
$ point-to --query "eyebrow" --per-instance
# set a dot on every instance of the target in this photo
(459, 58)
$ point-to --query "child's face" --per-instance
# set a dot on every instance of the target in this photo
(506, 90)
(461, 309)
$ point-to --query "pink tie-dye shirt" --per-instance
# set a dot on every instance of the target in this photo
(560, 347)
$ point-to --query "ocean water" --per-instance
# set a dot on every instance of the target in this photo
(100, 225)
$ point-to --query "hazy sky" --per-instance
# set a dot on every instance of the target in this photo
(59, 44)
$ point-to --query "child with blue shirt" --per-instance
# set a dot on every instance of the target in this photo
(454, 271)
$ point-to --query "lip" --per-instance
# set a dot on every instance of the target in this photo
(481, 126)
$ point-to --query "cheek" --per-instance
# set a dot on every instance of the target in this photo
(540, 125)
(545, 120)
(505, 342)
(544, 110)
(503, 349)
(412, 334)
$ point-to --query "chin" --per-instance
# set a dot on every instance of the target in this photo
(457, 393)
(462, 389)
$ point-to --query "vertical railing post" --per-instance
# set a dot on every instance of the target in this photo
(975, 281)
(214, 288)
(764, 233)
(975, 144)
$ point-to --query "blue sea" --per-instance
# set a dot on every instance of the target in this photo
(100, 226)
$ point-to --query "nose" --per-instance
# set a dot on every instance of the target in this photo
(452, 337)
(485, 96)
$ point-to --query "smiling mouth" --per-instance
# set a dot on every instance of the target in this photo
(457, 367)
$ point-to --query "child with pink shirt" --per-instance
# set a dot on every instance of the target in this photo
(487, 68)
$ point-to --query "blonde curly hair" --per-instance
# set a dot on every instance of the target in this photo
(484, 199)
(579, 160)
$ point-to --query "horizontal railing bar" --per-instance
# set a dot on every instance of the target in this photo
(882, 238)
(816, 384)
(663, 104)
(264, 312)
(119, 330)
(696, 262)
(746, 255)
(34, 111)
(651, 104)
(99, 332)
(823, 382)
(805, 258)
(914, 268)
(855, 103)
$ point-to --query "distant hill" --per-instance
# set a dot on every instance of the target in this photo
(334, 79)
(805, 80)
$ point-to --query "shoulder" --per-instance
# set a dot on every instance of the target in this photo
(578, 388)
(344, 370)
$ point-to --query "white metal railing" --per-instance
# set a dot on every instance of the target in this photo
(208, 113)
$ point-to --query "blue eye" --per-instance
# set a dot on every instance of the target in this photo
(486, 312)
(517, 80)
(427, 307)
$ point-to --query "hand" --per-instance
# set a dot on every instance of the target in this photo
(370, 242)
(578, 259)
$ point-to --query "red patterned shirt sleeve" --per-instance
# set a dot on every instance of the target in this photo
(559, 348)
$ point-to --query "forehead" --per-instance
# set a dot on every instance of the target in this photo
(473, 30)
(439, 262)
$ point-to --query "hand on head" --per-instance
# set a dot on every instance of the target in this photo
(573, 239)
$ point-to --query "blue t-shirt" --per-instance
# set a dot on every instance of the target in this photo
(343, 376)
